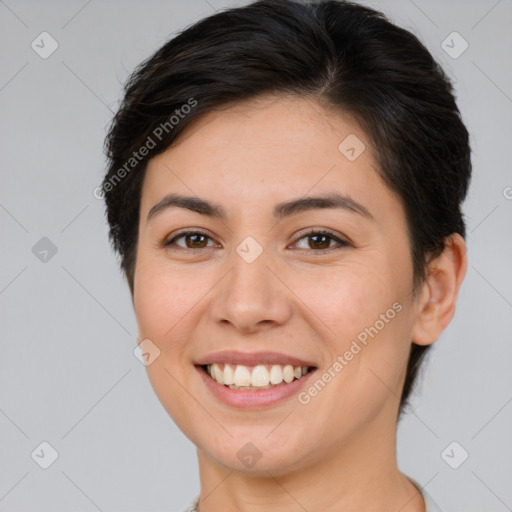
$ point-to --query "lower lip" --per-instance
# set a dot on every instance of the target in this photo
(253, 399)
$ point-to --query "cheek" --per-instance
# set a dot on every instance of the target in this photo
(163, 297)
(345, 299)
(363, 319)
(162, 300)
(371, 322)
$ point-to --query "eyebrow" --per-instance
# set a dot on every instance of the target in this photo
(281, 210)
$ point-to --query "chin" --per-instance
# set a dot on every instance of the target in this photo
(255, 452)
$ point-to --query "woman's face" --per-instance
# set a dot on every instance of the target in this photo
(254, 283)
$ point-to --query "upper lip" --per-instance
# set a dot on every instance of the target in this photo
(251, 358)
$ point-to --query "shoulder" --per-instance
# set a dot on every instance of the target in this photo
(430, 504)
(191, 507)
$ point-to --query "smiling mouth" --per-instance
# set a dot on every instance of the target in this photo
(258, 377)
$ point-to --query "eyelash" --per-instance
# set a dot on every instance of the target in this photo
(341, 243)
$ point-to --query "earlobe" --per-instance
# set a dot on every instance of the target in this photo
(436, 306)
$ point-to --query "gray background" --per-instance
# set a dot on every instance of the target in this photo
(68, 375)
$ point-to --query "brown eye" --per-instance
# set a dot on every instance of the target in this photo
(321, 241)
(193, 240)
(196, 240)
(318, 241)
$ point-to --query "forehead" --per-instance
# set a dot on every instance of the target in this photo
(267, 150)
(281, 131)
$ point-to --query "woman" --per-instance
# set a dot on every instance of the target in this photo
(284, 190)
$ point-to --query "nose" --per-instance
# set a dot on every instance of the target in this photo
(252, 297)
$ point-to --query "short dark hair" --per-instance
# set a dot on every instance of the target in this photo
(346, 56)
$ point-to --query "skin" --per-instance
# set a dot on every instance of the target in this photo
(337, 452)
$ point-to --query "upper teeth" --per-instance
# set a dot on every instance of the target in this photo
(260, 376)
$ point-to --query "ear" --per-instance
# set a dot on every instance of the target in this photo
(436, 305)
